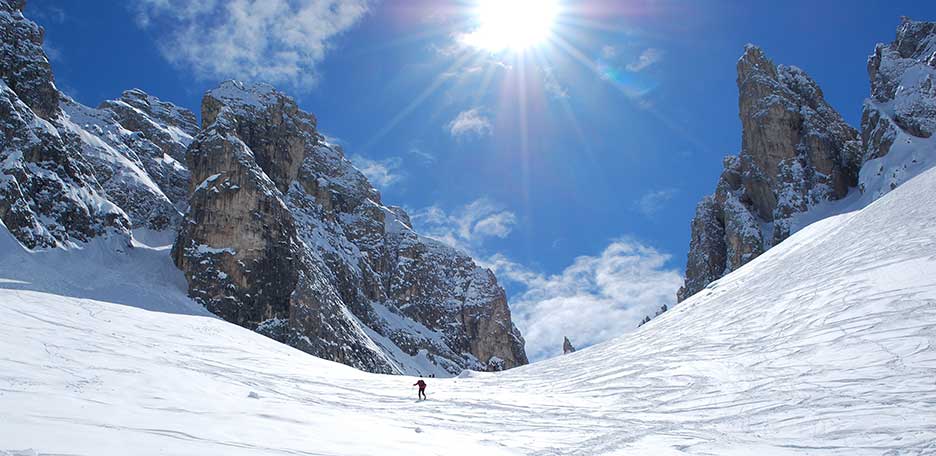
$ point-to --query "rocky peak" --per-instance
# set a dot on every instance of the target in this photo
(567, 346)
(169, 127)
(23, 64)
(162, 112)
(49, 195)
(754, 62)
(71, 173)
(796, 152)
(899, 119)
(286, 237)
(280, 143)
(133, 150)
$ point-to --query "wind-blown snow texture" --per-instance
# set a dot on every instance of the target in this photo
(822, 345)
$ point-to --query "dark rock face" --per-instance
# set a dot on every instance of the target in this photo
(49, 195)
(796, 152)
(899, 119)
(284, 236)
(567, 346)
(23, 64)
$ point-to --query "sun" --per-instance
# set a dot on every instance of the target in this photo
(513, 24)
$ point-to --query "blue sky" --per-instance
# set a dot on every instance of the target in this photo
(572, 168)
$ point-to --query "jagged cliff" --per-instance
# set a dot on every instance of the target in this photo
(277, 231)
(49, 195)
(899, 119)
(798, 152)
(286, 237)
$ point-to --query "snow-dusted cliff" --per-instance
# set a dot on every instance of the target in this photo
(286, 237)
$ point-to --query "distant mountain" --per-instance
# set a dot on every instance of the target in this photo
(276, 231)
(800, 162)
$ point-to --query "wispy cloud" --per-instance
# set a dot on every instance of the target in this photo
(594, 299)
(421, 154)
(651, 202)
(48, 14)
(382, 173)
(52, 51)
(552, 85)
(467, 227)
(470, 123)
(646, 58)
(277, 41)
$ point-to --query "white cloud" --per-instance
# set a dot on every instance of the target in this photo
(608, 51)
(647, 58)
(277, 41)
(552, 85)
(382, 174)
(470, 123)
(496, 225)
(466, 228)
(651, 202)
(594, 299)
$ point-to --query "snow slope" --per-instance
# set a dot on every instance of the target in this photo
(825, 344)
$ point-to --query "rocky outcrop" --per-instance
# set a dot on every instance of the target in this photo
(49, 196)
(567, 346)
(899, 119)
(796, 152)
(23, 64)
(132, 144)
(286, 237)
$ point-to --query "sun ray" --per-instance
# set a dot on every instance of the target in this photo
(420, 99)
(627, 91)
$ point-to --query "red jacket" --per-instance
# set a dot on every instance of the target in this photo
(421, 384)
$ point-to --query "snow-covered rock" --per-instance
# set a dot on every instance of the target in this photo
(286, 237)
(796, 153)
(23, 64)
(49, 196)
(133, 155)
(899, 119)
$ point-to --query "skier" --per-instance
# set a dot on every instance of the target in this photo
(422, 388)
